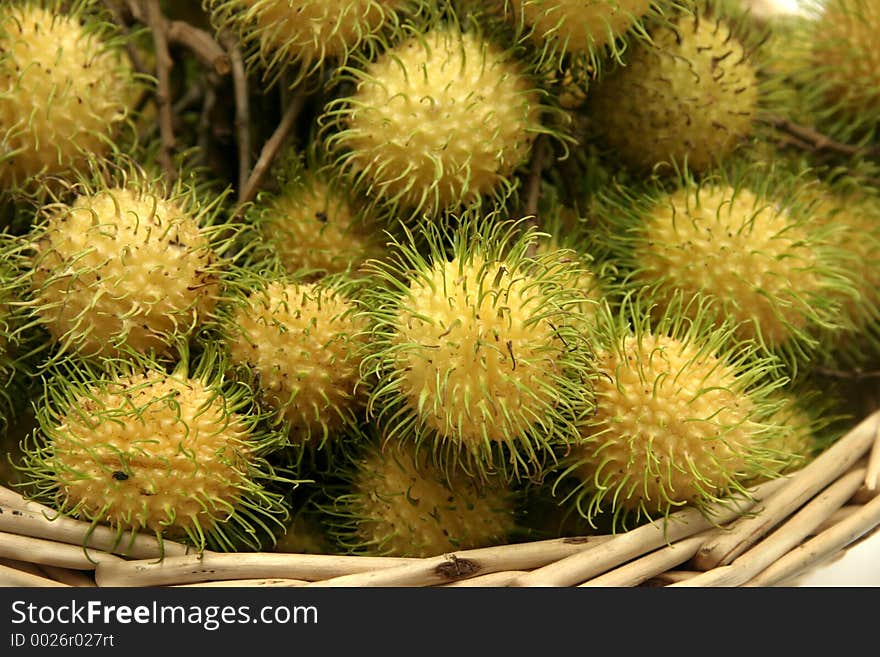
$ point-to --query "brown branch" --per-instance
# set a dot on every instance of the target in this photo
(851, 375)
(164, 63)
(204, 126)
(533, 188)
(813, 139)
(197, 41)
(133, 54)
(201, 44)
(270, 150)
(242, 108)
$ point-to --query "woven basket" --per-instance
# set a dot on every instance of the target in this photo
(785, 528)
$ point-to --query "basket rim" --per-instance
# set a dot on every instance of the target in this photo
(783, 528)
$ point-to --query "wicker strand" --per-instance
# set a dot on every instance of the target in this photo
(651, 565)
(671, 576)
(787, 536)
(245, 583)
(26, 566)
(502, 578)
(632, 544)
(838, 516)
(15, 577)
(194, 568)
(69, 576)
(40, 551)
(872, 476)
(27, 518)
(462, 565)
(821, 546)
(805, 483)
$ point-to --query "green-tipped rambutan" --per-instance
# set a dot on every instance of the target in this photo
(18, 342)
(303, 36)
(592, 31)
(744, 238)
(794, 448)
(312, 227)
(839, 66)
(129, 264)
(479, 349)
(397, 501)
(175, 449)
(690, 96)
(852, 209)
(304, 343)
(441, 120)
(566, 249)
(680, 416)
(66, 88)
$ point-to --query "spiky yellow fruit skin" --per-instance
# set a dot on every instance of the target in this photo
(672, 425)
(692, 96)
(857, 217)
(572, 269)
(476, 365)
(846, 57)
(438, 121)
(306, 32)
(152, 452)
(314, 228)
(64, 92)
(579, 26)
(854, 214)
(121, 268)
(303, 341)
(739, 249)
(406, 506)
(794, 448)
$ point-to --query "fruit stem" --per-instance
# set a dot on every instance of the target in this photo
(533, 189)
(270, 150)
(809, 138)
(156, 23)
(242, 107)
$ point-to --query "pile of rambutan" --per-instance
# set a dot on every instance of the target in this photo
(405, 277)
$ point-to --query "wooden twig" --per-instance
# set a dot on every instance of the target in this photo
(209, 53)
(14, 577)
(804, 484)
(649, 566)
(69, 577)
(854, 374)
(813, 139)
(872, 473)
(503, 578)
(211, 566)
(641, 540)
(199, 42)
(26, 566)
(533, 185)
(458, 566)
(242, 108)
(270, 150)
(533, 189)
(839, 515)
(133, 53)
(671, 576)
(204, 128)
(52, 553)
(822, 546)
(245, 583)
(164, 100)
(27, 518)
(787, 536)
